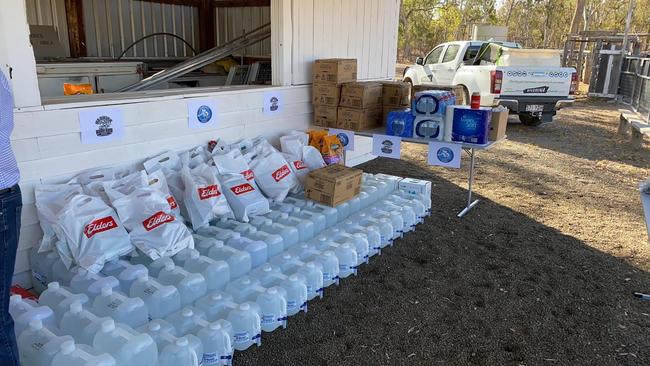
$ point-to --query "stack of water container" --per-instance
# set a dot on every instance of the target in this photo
(201, 305)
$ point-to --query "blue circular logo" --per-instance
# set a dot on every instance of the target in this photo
(204, 114)
(343, 138)
(445, 154)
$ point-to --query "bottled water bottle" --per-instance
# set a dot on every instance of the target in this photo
(391, 181)
(296, 294)
(342, 211)
(244, 288)
(41, 268)
(181, 257)
(311, 271)
(373, 195)
(71, 355)
(294, 287)
(61, 273)
(407, 213)
(417, 206)
(246, 327)
(160, 300)
(239, 262)
(369, 231)
(24, 311)
(123, 309)
(216, 273)
(355, 204)
(383, 225)
(37, 345)
(59, 299)
(257, 248)
(305, 228)
(114, 267)
(128, 347)
(330, 265)
(129, 275)
(217, 346)
(289, 234)
(203, 244)
(319, 220)
(179, 353)
(156, 266)
(160, 331)
(191, 286)
(358, 240)
(331, 214)
(348, 260)
(81, 324)
(274, 242)
(215, 305)
(183, 320)
(96, 285)
(395, 217)
(273, 309)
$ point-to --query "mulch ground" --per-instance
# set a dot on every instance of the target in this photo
(541, 272)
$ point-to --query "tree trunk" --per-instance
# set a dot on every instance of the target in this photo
(577, 15)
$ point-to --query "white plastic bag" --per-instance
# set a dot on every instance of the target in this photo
(50, 199)
(195, 156)
(312, 158)
(273, 175)
(203, 196)
(299, 168)
(158, 181)
(293, 143)
(166, 161)
(244, 198)
(121, 187)
(93, 232)
(153, 228)
(233, 162)
(92, 181)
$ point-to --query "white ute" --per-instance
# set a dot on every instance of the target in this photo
(530, 82)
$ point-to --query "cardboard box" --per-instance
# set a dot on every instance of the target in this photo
(498, 125)
(388, 109)
(333, 184)
(413, 186)
(458, 91)
(326, 94)
(361, 94)
(335, 70)
(325, 116)
(358, 119)
(396, 93)
(45, 42)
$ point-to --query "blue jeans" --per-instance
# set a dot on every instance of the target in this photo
(10, 206)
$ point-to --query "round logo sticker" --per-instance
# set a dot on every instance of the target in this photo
(343, 138)
(445, 155)
(204, 114)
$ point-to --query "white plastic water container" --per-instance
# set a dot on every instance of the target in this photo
(296, 294)
(182, 256)
(156, 266)
(244, 288)
(274, 242)
(392, 181)
(191, 286)
(217, 345)
(319, 220)
(179, 353)
(129, 275)
(383, 225)
(371, 233)
(303, 251)
(330, 267)
(216, 273)
(417, 206)
(25, 311)
(273, 309)
(184, 321)
(239, 261)
(407, 213)
(313, 272)
(396, 219)
(216, 305)
(331, 214)
(128, 347)
(358, 240)
(92, 284)
(160, 331)
(257, 248)
(59, 299)
(61, 273)
(41, 264)
(81, 324)
(348, 260)
(161, 300)
(73, 355)
(305, 228)
(203, 244)
(246, 326)
(373, 194)
(343, 211)
(289, 234)
(114, 267)
(37, 345)
(123, 309)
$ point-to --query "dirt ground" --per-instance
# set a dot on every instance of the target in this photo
(541, 272)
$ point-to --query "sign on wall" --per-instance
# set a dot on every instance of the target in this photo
(202, 113)
(273, 103)
(346, 137)
(444, 154)
(387, 146)
(99, 125)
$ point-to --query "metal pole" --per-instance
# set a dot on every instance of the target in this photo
(628, 21)
(470, 204)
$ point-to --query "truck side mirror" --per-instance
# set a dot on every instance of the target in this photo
(419, 61)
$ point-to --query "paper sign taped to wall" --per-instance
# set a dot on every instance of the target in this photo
(444, 154)
(273, 103)
(387, 146)
(99, 125)
(346, 137)
(201, 113)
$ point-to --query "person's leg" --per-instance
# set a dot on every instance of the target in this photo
(10, 206)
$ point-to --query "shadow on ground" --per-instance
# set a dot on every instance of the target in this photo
(495, 288)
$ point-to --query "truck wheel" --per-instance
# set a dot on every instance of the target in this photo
(530, 120)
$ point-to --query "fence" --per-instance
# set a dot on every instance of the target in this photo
(634, 87)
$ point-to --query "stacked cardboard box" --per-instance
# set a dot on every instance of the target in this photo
(328, 76)
(360, 107)
(396, 95)
(333, 184)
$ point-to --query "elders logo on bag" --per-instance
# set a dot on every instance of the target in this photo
(282, 172)
(209, 192)
(299, 165)
(242, 188)
(156, 220)
(248, 174)
(100, 225)
(172, 202)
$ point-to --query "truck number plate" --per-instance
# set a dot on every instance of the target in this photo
(534, 108)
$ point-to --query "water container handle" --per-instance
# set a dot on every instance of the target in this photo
(195, 358)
